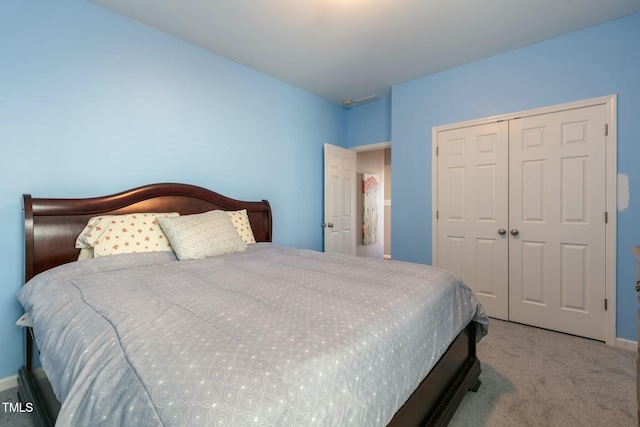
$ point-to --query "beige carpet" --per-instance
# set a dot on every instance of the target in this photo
(535, 377)
(13, 417)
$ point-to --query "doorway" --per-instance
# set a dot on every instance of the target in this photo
(343, 206)
(374, 163)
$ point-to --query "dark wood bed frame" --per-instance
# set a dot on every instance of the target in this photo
(52, 225)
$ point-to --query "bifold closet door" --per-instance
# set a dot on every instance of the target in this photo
(557, 212)
(473, 211)
(521, 217)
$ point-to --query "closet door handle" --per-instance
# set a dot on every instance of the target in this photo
(514, 232)
(502, 231)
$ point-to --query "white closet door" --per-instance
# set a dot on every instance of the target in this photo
(472, 208)
(556, 215)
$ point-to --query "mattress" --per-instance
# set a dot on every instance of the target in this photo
(269, 336)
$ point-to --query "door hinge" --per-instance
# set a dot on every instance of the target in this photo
(605, 304)
(606, 129)
(437, 214)
(437, 151)
(606, 217)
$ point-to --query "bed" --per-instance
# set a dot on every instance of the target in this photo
(286, 366)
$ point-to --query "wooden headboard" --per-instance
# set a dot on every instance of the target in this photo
(51, 226)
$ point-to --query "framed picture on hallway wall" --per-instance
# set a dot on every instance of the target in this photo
(370, 196)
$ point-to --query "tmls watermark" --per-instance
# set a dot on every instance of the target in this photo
(17, 407)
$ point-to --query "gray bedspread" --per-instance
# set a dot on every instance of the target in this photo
(272, 336)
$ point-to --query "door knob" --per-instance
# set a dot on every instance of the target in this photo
(502, 231)
(514, 232)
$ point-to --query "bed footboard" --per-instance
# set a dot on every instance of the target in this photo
(456, 373)
(34, 388)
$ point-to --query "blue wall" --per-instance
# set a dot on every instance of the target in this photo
(598, 61)
(92, 103)
(369, 123)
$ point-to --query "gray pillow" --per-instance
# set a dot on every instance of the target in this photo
(202, 235)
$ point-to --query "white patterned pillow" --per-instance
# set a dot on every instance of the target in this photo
(121, 234)
(202, 235)
(243, 227)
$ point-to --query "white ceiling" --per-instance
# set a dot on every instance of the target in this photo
(357, 48)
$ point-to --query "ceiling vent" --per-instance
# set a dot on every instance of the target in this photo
(348, 103)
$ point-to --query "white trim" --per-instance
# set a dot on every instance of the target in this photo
(611, 204)
(434, 194)
(603, 100)
(611, 190)
(8, 383)
(371, 147)
(626, 344)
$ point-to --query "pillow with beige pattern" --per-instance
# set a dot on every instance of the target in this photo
(202, 235)
(240, 221)
(121, 234)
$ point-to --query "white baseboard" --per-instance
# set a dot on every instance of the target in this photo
(9, 382)
(626, 344)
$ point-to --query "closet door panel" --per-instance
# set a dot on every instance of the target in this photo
(556, 206)
(472, 207)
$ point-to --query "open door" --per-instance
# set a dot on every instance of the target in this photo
(339, 200)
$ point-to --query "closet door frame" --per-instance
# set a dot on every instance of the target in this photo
(610, 103)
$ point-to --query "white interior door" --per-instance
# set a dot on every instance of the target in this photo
(557, 221)
(339, 200)
(473, 211)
